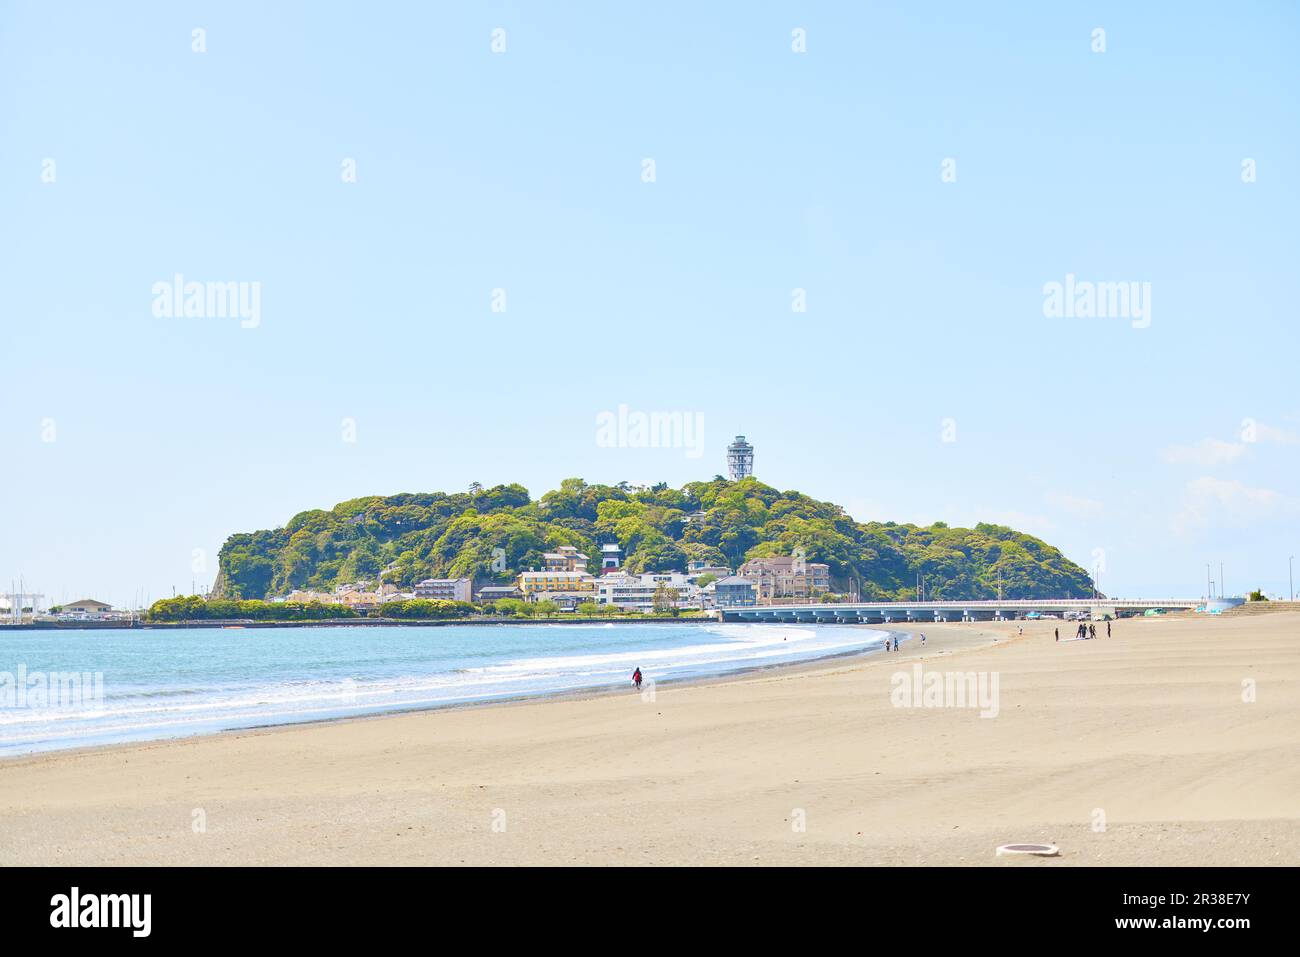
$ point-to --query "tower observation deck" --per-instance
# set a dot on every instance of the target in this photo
(740, 459)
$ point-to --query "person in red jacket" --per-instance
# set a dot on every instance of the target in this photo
(636, 679)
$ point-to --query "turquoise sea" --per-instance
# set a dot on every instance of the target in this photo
(61, 689)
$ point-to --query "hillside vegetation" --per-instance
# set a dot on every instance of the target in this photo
(492, 534)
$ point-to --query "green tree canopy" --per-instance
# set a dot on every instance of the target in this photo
(493, 534)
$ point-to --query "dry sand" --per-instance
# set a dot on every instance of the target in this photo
(1148, 728)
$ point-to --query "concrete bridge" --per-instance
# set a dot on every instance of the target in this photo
(936, 611)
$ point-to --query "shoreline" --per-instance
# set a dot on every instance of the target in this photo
(335, 623)
(1140, 749)
(568, 694)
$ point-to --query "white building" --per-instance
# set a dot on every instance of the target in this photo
(637, 592)
(88, 609)
(446, 589)
(611, 557)
(730, 592)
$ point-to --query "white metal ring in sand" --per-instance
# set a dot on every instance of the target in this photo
(1038, 850)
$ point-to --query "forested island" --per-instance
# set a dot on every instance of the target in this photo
(493, 534)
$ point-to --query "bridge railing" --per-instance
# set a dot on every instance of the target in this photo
(1018, 603)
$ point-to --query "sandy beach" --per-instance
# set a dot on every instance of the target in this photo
(1137, 749)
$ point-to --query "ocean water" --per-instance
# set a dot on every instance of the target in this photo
(140, 685)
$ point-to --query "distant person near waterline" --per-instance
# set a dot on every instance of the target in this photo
(1107, 627)
(1058, 633)
(636, 678)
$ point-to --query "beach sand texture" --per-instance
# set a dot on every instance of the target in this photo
(1137, 749)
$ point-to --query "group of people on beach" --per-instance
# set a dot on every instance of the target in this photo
(1085, 630)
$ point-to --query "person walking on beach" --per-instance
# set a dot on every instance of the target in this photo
(1092, 631)
(922, 638)
(636, 678)
(1058, 633)
(1107, 627)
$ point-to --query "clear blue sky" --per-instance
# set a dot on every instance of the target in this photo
(774, 171)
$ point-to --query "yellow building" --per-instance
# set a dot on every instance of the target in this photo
(536, 584)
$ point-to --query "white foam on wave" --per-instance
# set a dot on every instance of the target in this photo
(742, 641)
(142, 715)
